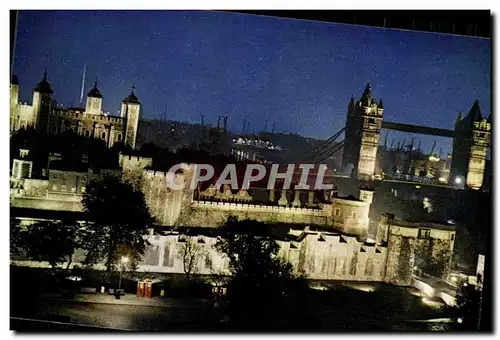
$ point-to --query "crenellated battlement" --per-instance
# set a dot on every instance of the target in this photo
(70, 114)
(256, 208)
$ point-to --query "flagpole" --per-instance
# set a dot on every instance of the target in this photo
(83, 83)
(13, 51)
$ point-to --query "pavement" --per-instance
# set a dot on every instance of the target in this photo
(130, 313)
(127, 299)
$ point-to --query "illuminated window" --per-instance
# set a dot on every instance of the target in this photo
(83, 189)
(54, 187)
(424, 233)
(73, 190)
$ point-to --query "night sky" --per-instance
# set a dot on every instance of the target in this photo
(299, 74)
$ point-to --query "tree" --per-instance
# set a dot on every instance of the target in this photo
(467, 308)
(190, 253)
(262, 288)
(118, 222)
(50, 241)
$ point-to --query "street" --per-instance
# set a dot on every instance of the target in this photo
(116, 316)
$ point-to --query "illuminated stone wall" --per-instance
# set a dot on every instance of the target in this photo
(318, 255)
(211, 214)
(414, 247)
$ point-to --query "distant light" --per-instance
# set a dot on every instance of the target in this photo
(459, 320)
(124, 259)
(450, 222)
(458, 180)
(417, 186)
(465, 284)
(74, 278)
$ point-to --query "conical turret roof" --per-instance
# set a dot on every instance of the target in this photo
(132, 98)
(367, 97)
(94, 93)
(44, 86)
(475, 112)
(14, 80)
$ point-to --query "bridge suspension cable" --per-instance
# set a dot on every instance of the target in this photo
(330, 152)
(318, 150)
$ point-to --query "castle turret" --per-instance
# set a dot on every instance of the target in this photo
(42, 101)
(367, 97)
(362, 134)
(366, 194)
(131, 110)
(470, 146)
(94, 101)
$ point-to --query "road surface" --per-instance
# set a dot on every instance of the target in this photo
(173, 316)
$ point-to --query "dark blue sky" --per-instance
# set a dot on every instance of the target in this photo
(300, 74)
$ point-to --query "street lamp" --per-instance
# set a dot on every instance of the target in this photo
(124, 261)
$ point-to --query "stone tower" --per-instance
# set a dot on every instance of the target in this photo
(14, 100)
(131, 110)
(470, 146)
(362, 134)
(94, 101)
(42, 102)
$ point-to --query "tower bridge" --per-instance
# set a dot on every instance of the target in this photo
(424, 130)
(471, 140)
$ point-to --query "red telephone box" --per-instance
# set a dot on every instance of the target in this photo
(148, 289)
(140, 288)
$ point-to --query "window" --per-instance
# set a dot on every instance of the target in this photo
(424, 233)
(63, 187)
(87, 133)
(73, 190)
(103, 135)
(54, 187)
(208, 262)
(337, 212)
(369, 267)
(354, 215)
(83, 190)
(15, 170)
(452, 236)
(168, 259)
(119, 137)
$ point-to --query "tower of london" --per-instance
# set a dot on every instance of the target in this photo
(46, 117)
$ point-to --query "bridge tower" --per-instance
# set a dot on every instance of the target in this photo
(362, 134)
(470, 146)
